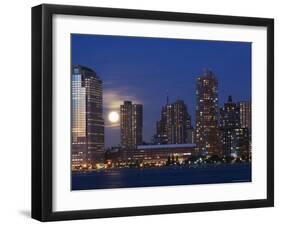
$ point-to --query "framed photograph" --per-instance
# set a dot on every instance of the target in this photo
(146, 112)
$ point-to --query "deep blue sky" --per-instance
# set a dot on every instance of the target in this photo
(146, 69)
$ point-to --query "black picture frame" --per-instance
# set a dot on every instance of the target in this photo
(42, 111)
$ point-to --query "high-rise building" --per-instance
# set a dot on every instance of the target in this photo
(240, 146)
(207, 133)
(245, 114)
(190, 136)
(234, 138)
(161, 136)
(229, 121)
(230, 115)
(170, 123)
(87, 117)
(131, 123)
(182, 122)
(174, 125)
(246, 122)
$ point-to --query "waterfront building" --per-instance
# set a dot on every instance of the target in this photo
(245, 114)
(234, 137)
(246, 121)
(207, 133)
(131, 125)
(240, 145)
(161, 136)
(182, 122)
(174, 125)
(87, 122)
(159, 154)
(113, 154)
(190, 136)
(229, 121)
(230, 115)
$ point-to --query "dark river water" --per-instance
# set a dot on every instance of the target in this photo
(165, 176)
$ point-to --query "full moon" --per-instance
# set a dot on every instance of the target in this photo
(113, 116)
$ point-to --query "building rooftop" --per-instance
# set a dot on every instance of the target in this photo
(87, 71)
(164, 146)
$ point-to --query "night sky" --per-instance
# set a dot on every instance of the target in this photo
(145, 70)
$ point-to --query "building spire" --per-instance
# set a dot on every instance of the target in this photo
(229, 98)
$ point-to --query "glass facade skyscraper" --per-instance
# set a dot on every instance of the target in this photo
(87, 117)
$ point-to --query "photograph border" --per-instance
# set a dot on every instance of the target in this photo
(42, 94)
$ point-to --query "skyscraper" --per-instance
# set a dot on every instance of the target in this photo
(87, 121)
(131, 123)
(246, 123)
(174, 125)
(229, 121)
(161, 136)
(182, 122)
(230, 115)
(207, 133)
(240, 146)
(234, 137)
(245, 114)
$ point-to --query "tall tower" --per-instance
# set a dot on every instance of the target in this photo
(229, 122)
(246, 124)
(207, 133)
(161, 136)
(87, 121)
(182, 122)
(131, 121)
(174, 124)
(245, 114)
(230, 115)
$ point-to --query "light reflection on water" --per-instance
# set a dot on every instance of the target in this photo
(122, 178)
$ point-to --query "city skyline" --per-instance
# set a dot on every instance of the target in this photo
(119, 89)
(223, 133)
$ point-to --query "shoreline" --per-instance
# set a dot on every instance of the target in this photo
(193, 166)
